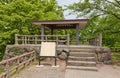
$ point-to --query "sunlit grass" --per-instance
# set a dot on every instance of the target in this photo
(115, 57)
(1, 70)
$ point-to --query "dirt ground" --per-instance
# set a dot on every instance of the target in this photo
(104, 71)
(43, 72)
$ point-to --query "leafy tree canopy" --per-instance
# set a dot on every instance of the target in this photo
(104, 18)
(16, 17)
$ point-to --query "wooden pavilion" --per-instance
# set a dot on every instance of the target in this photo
(62, 24)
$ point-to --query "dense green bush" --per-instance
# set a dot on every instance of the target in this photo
(16, 17)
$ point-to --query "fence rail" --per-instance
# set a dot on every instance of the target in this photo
(13, 64)
(37, 39)
(59, 39)
(115, 49)
(97, 41)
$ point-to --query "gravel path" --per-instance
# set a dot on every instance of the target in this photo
(104, 71)
(42, 72)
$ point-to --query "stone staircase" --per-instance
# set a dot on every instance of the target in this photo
(82, 57)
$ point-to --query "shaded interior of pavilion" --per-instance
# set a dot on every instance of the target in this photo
(53, 25)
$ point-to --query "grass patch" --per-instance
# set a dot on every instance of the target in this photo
(1, 70)
(116, 57)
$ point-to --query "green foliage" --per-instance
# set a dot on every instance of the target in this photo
(1, 69)
(17, 51)
(6, 38)
(104, 18)
(16, 17)
(116, 57)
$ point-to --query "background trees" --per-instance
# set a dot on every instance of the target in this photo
(16, 17)
(104, 18)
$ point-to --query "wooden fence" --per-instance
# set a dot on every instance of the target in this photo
(37, 39)
(97, 41)
(59, 39)
(14, 64)
(115, 49)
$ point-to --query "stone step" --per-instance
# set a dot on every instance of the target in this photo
(82, 54)
(81, 50)
(82, 47)
(83, 68)
(81, 63)
(81, 58)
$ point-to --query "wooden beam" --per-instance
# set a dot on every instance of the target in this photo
(77, 34)
(77, 21)
(100, 41)
(52, 31)
(42, 32)
(62, 24)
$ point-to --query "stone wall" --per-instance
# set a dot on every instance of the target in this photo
(14, 50)
(104, 55)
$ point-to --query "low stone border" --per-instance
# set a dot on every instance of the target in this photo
(104, 55)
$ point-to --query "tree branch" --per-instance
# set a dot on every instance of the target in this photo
(97, 16)
(113, 3)
(104, 11)
(116, 16)
(118, 2)
(108, 28)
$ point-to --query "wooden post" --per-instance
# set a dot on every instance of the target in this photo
(77, 34)
(42, 33)
(34, 56)
(46, 38)
(100, 41)
(25, 59)
(16, 38)
(57, 40)
(31, 55)
(55, 61)
(22, 39)
(52, 31)
(68, 39)
(25, 39)
(7, 69)
(18, 61)
(35, 39)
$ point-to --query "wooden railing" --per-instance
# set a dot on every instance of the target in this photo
(97, 41)
(12, 65)
(115, 49)
(37, 39)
